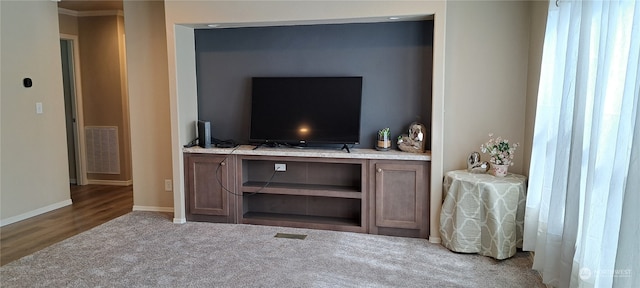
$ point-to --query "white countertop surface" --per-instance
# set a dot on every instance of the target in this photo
(356, 153)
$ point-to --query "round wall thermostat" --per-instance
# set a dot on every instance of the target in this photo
(27, 82)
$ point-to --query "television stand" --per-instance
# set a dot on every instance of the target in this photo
(365, 190)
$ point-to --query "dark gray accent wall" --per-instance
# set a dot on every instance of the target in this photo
(394, 59)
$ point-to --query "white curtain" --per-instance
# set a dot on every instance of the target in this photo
(582, 217)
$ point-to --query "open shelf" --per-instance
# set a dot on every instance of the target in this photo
(312, 192)
(297, 205)
(262, 218)
(312, 173)
(303, 189)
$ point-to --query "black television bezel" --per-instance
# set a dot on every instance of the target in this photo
(305, 142)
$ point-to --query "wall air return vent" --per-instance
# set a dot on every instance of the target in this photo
(102, 149)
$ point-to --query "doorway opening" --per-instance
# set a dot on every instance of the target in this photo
(73, 109)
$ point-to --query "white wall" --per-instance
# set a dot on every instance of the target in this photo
(104, 97)
(68, 24)
(149, 104)
(539, 10)
(34, 174)
(486, 77)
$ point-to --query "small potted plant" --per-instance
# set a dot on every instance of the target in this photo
(501, 152)
(384, 139)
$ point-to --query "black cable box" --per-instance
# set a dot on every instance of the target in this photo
(230, 143)
(226, 145)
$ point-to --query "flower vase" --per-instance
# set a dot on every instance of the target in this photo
(499, 170)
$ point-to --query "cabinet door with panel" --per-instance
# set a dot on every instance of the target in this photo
(210, 184)
(399, 205)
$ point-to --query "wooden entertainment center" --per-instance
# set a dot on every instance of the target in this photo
(365, 191)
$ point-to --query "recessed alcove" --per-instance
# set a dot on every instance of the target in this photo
(183, 19)
(395, 59)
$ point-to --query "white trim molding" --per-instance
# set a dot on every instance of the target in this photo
(110, 182)
(179, 220)
(152, 208)
(64, 11)
(90, 13)
(100, 13)
(36, 212)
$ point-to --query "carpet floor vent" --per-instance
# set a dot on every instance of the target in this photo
(290, 236)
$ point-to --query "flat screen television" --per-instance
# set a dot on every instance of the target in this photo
(305, 111)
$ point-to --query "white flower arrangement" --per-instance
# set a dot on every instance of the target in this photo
(501, 150)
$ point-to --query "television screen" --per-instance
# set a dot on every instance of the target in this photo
(305, 111)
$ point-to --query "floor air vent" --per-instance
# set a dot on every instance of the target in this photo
(291, 236)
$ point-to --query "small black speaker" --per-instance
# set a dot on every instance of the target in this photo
(204, 134)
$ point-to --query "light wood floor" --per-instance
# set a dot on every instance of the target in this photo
(92, 205)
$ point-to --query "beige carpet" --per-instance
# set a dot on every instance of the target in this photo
(144, 249)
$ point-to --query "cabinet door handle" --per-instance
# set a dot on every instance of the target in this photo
(222, 163)
(379, 170)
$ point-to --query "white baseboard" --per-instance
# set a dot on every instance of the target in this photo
(435, 240)
(152, 208)
(179, 220)
(110, 182)
(36, 212)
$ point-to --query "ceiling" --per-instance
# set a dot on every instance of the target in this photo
(91, 5)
